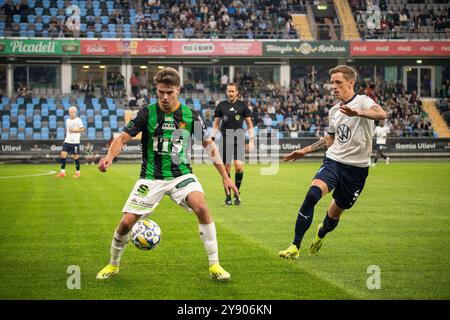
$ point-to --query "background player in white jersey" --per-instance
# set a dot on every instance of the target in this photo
(381, 132)
(74, 128)
(345, 167)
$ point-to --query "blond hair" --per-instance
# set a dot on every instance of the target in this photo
(348, 72)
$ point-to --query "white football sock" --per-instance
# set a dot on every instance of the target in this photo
(208, 236)
(118, 247)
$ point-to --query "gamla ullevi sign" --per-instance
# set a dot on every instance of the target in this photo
(42, 47)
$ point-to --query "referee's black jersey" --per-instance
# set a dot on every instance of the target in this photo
(232, 114)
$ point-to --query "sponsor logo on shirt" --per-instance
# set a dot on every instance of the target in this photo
(343, 133)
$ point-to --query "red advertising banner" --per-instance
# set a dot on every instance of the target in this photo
(105, 47)
(153, 48)
(400, 48)
(216, 48)
(170, 48)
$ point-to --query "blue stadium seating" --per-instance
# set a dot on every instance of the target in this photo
(28, 132)
(44, 133)
(91, 133)
(31, 18)
(39, 11)
(60, 4)
(59, 133)
(107, 133)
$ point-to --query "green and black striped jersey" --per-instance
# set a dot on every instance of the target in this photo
(166, 140)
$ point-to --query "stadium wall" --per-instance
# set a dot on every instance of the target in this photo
(45, 151)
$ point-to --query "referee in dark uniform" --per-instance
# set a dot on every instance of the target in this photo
(229, 116)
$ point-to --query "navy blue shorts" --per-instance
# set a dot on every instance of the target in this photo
(347, 181)
(71, 148)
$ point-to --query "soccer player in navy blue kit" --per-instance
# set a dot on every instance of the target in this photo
(348, 146)
(230, 115)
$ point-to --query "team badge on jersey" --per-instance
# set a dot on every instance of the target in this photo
(182, 124)
(130, 125)
(237, 117)
(343, 133)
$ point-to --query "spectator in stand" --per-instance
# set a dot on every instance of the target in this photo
(134, 82)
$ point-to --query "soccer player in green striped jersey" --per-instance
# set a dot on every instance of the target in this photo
(167, 127)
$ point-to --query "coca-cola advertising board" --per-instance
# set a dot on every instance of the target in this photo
(400, 48)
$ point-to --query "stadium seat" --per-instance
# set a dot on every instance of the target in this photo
(59, 133)
(52, 124)
(16, 18)
(44, 133)
(60, 4)
(13, 133)
(5, 135)
(120, 113)
(107, 133)
(91, 133)
(36, 136)
(104, 19)
(105, 112)
(39, 11)
(31, 18)
(45, 19)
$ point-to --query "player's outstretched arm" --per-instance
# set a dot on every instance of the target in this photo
(323, 144)
(214, 155)
(114, 150)
(375, 112)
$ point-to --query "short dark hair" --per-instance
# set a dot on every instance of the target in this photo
(233, 84)
(168, 76)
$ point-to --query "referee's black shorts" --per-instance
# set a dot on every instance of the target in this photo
(232, 148)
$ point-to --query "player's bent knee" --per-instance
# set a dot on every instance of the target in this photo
(127, 222)
(314, 194)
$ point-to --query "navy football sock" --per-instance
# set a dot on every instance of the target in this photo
(238, 176)
(305, 214)
(77, 164)
(329, 225)
(63, 163)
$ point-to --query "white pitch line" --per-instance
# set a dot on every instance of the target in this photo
(29, 175)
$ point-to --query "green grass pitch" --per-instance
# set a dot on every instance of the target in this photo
(401, 223)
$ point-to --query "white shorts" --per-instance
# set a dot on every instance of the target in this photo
(147, 194)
